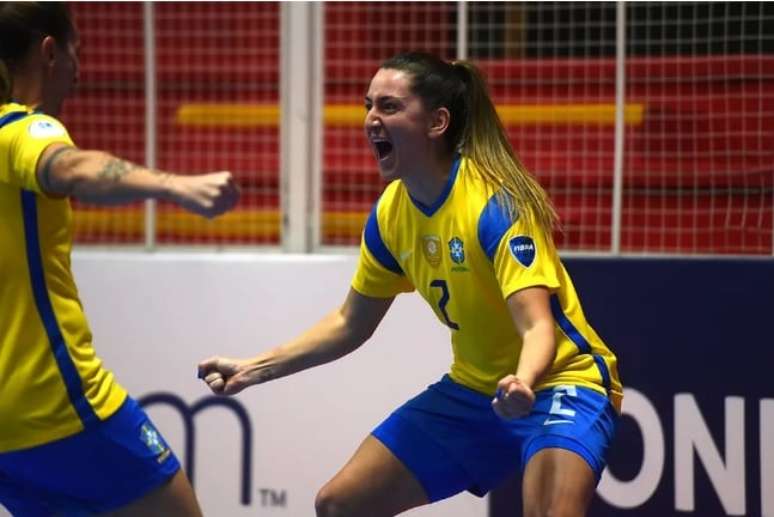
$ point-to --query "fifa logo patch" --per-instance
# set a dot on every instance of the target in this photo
(45, 129)
(523, 250)
(150, 437)
(457, 250)
(431, 247)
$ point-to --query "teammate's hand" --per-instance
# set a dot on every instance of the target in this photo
(205, 194)
(225, 376)
(514, 398)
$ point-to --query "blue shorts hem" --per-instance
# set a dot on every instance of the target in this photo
(552, 441)
(420, 454)
(450, 438)
(171, 467)
(101, 469)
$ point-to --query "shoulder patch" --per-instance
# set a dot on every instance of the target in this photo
(523, 250)
(45, 129)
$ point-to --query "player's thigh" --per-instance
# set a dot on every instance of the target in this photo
(557, 482)
(373, 482)
(175, 498)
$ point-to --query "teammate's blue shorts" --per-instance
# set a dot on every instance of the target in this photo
(450, 438)
(97, 470)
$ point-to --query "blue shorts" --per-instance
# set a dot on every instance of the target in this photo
(450, 438)
(97, 470)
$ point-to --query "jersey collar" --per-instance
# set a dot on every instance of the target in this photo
(432, 209)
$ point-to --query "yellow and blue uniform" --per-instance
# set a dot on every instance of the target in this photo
(52, 383)
(465, 256)
(53, 387)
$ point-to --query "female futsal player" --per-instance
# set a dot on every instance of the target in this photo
(532, 387)
(71, 441)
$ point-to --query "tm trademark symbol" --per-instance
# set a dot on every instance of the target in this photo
(273, 498)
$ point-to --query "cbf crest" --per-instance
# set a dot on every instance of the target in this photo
(457, 250)
(431, 248)
(151, 438)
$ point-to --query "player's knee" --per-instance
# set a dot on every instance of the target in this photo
(331, 503)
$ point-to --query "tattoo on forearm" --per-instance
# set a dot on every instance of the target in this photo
(116, 169)
(46, 173)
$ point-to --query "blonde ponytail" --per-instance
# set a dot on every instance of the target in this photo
(475, 130)
(485, 142)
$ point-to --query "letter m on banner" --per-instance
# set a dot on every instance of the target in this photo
(187, 413)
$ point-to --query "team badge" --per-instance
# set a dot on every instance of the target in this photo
(45, 129)
(523, 250)
(457, 250)
(150, 437)
(431, 247)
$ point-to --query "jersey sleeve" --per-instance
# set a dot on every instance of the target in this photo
(525, 259)
(520, 257)
(378, 274)
(23, 141)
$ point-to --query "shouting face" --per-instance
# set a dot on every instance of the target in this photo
(397, 124)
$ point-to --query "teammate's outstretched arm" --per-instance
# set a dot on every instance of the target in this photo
(99, 177)
(337, 334)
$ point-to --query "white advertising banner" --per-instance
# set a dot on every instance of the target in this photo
(691, 444)
(155, 316)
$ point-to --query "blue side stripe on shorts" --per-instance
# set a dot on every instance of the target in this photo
(65, 363)
(375, 244)
(581, 342)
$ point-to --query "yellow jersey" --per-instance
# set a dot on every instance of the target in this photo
(52, 384)
(465, 256)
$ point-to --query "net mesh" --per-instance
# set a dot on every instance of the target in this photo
(218, 70)
(359, 36)
(699, 112)
(699, 168)
(552, 75)
(108, 111)
(217, 80)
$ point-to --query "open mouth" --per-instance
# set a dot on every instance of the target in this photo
(383, 149)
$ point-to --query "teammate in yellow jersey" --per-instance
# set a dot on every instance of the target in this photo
(71, 441)
(532, 386)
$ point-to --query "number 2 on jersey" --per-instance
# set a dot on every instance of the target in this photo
(441, 284)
